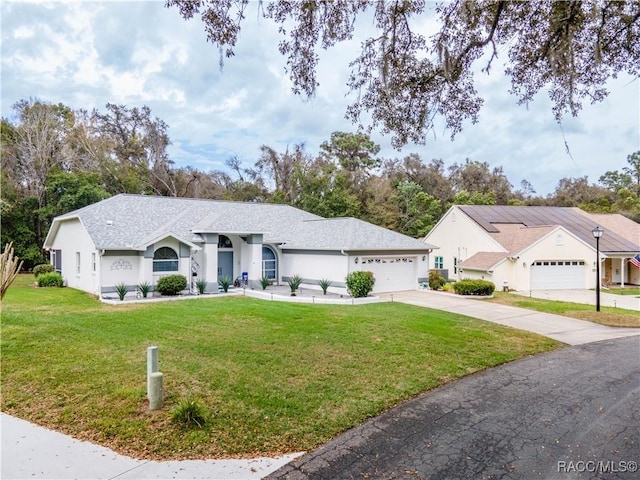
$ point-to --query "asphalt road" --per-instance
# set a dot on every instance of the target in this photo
(572, 413)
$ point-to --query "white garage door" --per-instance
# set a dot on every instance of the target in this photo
(557, 274)
(392, 274)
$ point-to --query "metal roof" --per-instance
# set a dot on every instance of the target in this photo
(576, 221)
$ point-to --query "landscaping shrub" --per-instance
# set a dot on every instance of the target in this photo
(436, 281)
(121, 290)
(264, 282)
(145, 288)
(50, 279)
(360, 283)
(294, 282)
(225, 282)
(171, 284)
(325, 283)
(190, 414)
(43, 268)
(474, 287)
(201, 285)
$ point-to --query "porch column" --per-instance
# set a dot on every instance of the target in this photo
(254, 264)
(623, 268)
(146, 266)
(209, 267)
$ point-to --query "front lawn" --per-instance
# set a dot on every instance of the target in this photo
(613, 317)
(275, 377)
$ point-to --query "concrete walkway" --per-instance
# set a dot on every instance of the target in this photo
(563, 329)
(30, 451)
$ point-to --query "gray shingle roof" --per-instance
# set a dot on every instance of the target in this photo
(134, 221)
(349, 234)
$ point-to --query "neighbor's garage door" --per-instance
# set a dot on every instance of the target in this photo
(557, 274)
(391, 274)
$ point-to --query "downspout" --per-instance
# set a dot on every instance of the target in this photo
(101, 253)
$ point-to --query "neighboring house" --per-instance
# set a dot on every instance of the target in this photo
(534, 248)
(137, 238)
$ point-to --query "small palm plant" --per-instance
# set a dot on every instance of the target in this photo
(294, 282)
(225, 283)
(325, 283)
(145, 288)
(190, 413)
(264, 282)
(201, 285)
(121, 290)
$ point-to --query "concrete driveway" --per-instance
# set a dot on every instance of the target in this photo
(588, 297)
(571, 413)
(563, 329)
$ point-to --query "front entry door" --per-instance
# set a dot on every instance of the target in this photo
(225, 265)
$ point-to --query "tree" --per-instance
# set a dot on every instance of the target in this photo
(476, 177)
(419, 211)
(404, 79)
(280, 169)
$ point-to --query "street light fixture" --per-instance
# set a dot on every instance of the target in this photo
(597, 233)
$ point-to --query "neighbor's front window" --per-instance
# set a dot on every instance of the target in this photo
(438, 263)
(165, 259)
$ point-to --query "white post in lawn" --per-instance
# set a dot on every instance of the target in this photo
(155, 391)
(152, 367)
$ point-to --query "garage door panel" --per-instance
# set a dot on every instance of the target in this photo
(391, 274)
(557, 274)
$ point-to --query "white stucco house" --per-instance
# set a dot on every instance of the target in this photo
(534, 248)
(138, 238)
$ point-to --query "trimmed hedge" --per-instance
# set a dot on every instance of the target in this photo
(474, 287)
(50, 279)
(43, 268)
(360, 284)
(171, 284)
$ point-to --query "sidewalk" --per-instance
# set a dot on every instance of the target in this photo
(564, 329)
(30, 451)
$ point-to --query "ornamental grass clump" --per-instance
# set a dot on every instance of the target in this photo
(225, 283)
(294, 283)
(190, 413)
(201, 285)
(325, 283)
(264, 282)
(145, 288)
(122, 290)
(9, 268)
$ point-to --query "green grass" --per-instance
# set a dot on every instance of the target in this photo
(614, 317)
(274, 377)
(623, 291)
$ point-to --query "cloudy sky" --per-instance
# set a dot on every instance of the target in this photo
(87, 54)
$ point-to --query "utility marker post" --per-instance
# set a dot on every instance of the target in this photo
(152, 367)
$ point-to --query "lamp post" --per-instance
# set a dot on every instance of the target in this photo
(597, 233)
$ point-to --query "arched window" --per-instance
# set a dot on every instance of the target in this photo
(165, 259)
(224, 242)
(269, 263)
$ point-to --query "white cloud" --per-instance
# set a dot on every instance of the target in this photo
(139, 53)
